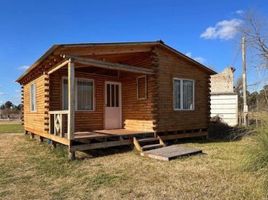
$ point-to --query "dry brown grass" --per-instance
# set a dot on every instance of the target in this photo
(29, 170)
(3, 121)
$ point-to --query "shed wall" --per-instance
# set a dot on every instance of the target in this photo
(226, 107)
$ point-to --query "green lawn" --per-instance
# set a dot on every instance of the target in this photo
(31, 170)
(11, 128)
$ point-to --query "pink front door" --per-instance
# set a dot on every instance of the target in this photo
(113, 111)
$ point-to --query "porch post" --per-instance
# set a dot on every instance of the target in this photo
(71, 100)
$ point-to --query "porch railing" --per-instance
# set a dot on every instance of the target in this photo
(58, 123)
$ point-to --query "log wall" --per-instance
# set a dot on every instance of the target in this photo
(34, 121)
(171, 66)
(136, 114)
(154, 113)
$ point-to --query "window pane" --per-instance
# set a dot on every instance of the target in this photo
(108, 101)
(177, 94)
(33, 97)
(84, 95)
(112, 95)
(187, 94)
(141, 87)
(117, 96)
(65, 94)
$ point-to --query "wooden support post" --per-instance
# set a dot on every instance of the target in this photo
(71, 152)
(41, 139)
(32, 136)
(71, 155)
(53, 144)
(71, 99)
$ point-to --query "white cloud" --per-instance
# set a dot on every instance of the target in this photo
(198, 58)
(225, 30)
(189, 54)
(23, 67)
(239, 12)
(2, 93)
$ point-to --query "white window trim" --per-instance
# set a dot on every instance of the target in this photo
(181, 92)
(76, 97)
(137, 86)
(35, 101)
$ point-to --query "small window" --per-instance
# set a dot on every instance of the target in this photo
(84, 97)
(141, 88)
(183, 94)
(33, 97)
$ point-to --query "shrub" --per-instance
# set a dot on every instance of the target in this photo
(221, 131)
(258, 153)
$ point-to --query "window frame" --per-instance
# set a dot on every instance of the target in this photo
(145, 87)
(181, 93)
(76, 97)
(35, 99)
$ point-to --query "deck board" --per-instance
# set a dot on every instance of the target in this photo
(170, 152)
(108, 133)
(120, 132)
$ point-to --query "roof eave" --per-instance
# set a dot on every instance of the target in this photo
(51, 49)
(41, 59)
(211, 72)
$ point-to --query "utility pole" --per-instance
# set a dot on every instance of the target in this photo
(244, 78)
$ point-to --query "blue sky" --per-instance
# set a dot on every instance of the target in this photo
(29, 28)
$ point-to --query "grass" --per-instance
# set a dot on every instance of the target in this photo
(11, 127)
(26, 165)
(256, 157)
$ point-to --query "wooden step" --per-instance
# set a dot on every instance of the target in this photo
(151, 146)
(171, 152)
(150, 139)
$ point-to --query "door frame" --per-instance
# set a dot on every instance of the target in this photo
(120, 101)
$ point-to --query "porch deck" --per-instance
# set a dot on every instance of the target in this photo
(105, 138)
(98, 134)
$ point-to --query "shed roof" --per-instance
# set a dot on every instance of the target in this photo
(148, 43)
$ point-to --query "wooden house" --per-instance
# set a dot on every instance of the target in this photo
(96, 95)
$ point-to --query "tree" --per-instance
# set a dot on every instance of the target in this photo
(19, 107)
(255, 30)
(2, 107)
(8, 104)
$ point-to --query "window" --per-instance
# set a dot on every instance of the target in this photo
(141, 87)
(112, 95)
(183, 94)
(33, 97)
(84, 94)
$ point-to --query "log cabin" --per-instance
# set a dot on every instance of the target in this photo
(99, 95)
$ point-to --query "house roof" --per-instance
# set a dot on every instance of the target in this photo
(150, 43)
